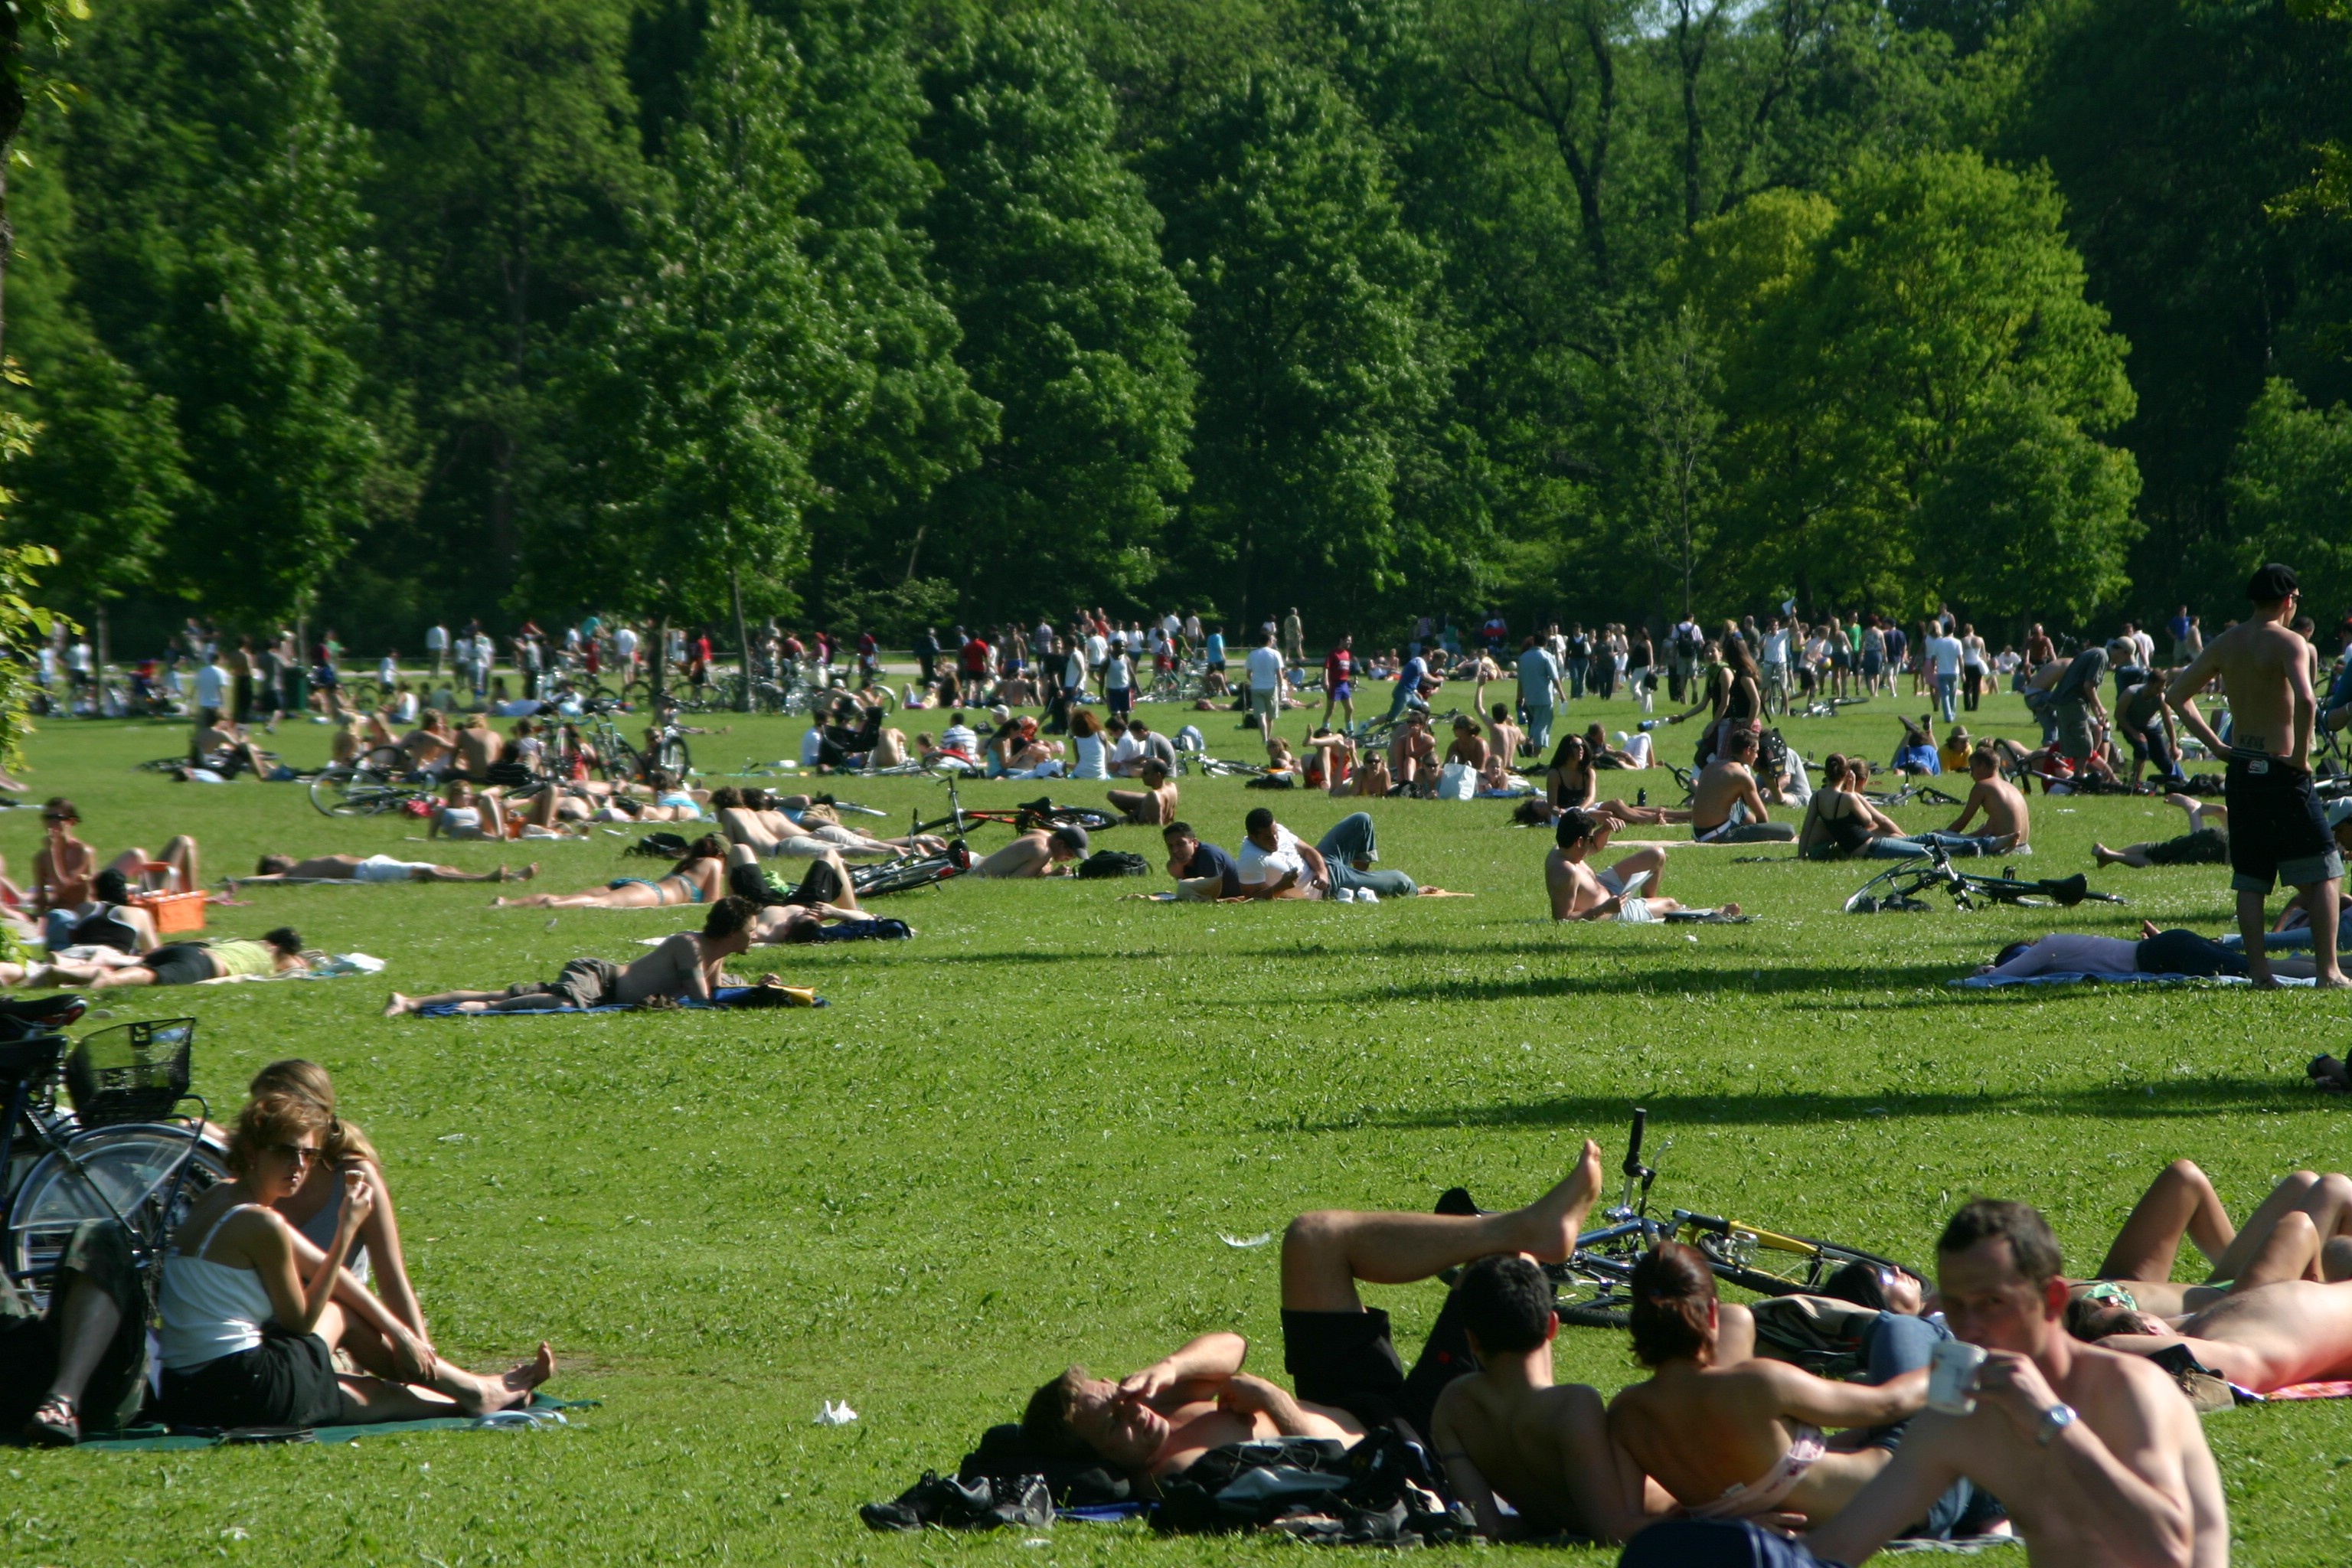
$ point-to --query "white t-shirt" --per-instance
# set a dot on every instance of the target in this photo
(436, 638)
(210, 681)
(1097, 647)
(1776, 647)
(624, 642)
(1256, 865)
(1091, 758)
(1946, 652)
(1117, 675)
(1264, 669)
(1128, 750)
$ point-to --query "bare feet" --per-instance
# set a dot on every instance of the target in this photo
(1554, 1219)
(1731, 909)
(2148, 928)
(397, 1005)
(2102, 855)
(2335, 982)
(525, 1379)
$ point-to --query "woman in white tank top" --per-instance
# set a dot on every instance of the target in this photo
(247, 1327)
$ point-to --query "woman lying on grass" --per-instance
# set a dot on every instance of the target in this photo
(175, 964)
(2302, 1231)
(248, 1314)
(699, 878)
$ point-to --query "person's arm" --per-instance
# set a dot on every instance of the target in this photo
(2180, 696)
(1469, 1484)
(1823, 1402)
(1273, 887)
(1755, 800)
(2134, 1494)
(1923, 1468)
(296, 1303)
(1244, 1394)
(2303, 707)
(1969, 810)
(1195, 1369)
(1318, 871)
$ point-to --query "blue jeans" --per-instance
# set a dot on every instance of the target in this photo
(1539, 722)
(1957, 844)
(1576, 668)
(1947, 689)
(1354, 839)
(1403, 699)
(1893, 1345)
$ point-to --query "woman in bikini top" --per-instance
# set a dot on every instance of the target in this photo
(1730, 1434)
(1839, 823)
(1569, 783)
(699, 878)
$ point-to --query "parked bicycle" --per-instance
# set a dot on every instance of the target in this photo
(1896, 890)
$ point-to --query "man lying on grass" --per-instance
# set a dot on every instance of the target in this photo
(1580, 893)
(792, 915)
(374, 869)
(2098, 1460)
(174, 964)
(2263, 1338)
(1506, 1431)
(2303, 1230)
(1276, 863)
(687, 966)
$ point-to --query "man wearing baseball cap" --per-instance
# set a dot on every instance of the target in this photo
(2277, 829)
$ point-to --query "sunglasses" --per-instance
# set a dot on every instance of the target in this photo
(302, 1154)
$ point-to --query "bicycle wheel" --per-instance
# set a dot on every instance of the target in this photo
(674, 757)
(901, 876)
(1771, 1264)
(342, 793)
(123, 1171)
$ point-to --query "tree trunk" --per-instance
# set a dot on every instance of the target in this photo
(661, 658)
(104, 645)
(12, 119)
(743, 640)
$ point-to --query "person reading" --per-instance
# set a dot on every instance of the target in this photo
(1579, 892)
(2277, 829)
(1204, 872)
(687, 966)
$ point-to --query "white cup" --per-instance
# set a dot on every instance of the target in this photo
(1952, 1376)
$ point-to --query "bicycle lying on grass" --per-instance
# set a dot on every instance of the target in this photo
(1027, 817)
(122, 1153)
(1590, 1288)
(910, 872)
(1896, 890)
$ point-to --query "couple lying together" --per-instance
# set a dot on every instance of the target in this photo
(2095, 1455)
(268, 1317)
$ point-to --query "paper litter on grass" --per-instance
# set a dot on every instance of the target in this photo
(834, 1415)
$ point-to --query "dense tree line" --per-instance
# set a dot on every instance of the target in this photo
(869, 311)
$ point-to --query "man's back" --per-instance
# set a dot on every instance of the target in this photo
(1537, 1448)
(2259, 661)
(669, 970)
(1721, 784)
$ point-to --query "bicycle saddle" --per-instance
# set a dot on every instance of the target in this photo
(2068, 890)
(39, 1013)
(30, 1061)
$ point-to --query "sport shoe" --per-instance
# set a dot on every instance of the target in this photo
(1344, 896)
(1366, 896)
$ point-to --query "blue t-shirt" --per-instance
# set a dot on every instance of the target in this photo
(1216, 647)
(1208, 860)
(1411, 676)
(1923, 758)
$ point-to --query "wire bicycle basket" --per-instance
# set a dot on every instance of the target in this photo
(132, 1072)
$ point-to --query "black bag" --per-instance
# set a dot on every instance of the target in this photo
(659, 846)
(986, 1502)
(1385, 1488)
(1113, 863)
(1074, 1483)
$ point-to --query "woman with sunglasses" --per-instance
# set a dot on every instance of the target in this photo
(315, 1208)
(249, 1308)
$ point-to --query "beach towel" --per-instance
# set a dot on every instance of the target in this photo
(725, 996)
(1994, 981)
(541, 1412)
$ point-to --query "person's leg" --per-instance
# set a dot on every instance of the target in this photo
(2319, 1200)
(2253, 921)
(1353, 840)
(1325, 1252)
(451, 874)
(1653, 860)
(447, 1390)
(1127, 802)
(2321, 899)
(2180, 1203)
(2129, 855)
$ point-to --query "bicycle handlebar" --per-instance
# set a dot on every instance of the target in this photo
(1634, 1145)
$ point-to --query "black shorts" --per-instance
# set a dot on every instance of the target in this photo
(1344, 1359)
(100, 1251)
(585, 983)
(2278, 831)
(287, 1380)
(2206, 847)
(2187, 953)
(181, 963)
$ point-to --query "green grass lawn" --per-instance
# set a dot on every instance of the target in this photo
(1015, 1142)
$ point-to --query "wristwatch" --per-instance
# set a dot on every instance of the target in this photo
(2054, 1420)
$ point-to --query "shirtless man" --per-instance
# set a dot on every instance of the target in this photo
(1508, 1432)
(1349, 1379)
(754, 817)
(2277, 829)
(1508, 738)
(1042, 853)
(478, 747)
(1580, 893)
(1469, 748)
(1411, 754)
(1725, 789)
(374, 869)
(218, 742)
(687, 966)
(2265, 1338)
(2009, 821)
(429, 746)
(2097, 1458)
(1153, 806)
(794, 915)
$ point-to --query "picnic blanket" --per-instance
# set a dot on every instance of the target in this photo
(541, 1412)
(1993, 981)
(738, 998)
(2308, 1390)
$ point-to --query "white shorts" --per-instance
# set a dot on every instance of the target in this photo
(383, 869)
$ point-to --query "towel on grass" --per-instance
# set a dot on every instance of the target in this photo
(2309, 1391)
(1994, 981)
(542, 1411)
(744, 997)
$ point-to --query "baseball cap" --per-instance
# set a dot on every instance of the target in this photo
(1074, 836)
(2272, 584)
(1000, 712)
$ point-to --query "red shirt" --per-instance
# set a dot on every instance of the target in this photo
(975, 656)
(1340, 666)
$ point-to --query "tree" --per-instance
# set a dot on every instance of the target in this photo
(1049, 253)
(2291, 491)
(1316, 344)
(225, 271)
(703, 389)
(1673, 425)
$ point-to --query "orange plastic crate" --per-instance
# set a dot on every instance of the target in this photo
(173, 911)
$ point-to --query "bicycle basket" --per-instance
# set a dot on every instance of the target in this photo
(132, 1072)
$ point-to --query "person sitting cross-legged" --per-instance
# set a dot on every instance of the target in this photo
(1725, 807)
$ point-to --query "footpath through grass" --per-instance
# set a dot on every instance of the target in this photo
(1018, 1140)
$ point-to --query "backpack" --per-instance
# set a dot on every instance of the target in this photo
(659, 846)
(1819, 1333)
(1385, 1490)
(1113, 863)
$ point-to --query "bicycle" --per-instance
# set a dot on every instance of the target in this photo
(380, 781)
(1590, 1287)
(910, 872)
(1027, 817)
(1896, 890)
(1221, 767)
(123, 1154)
(1925, 794)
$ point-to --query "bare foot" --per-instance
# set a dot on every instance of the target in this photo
(1554, 1219)
(498, 903)
(2332, 983)
(1731, 908)
(2103, 855)
(2148, 928)
(397, 1005)
(525, 1379)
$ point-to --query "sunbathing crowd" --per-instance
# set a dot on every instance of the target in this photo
(2074, 1426)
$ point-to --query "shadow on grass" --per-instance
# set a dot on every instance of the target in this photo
(1735, 973)
(1595, 1114)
